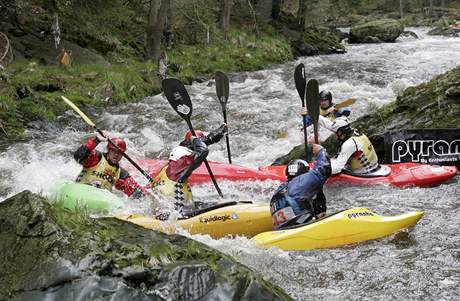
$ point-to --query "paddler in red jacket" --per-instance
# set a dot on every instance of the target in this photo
(102, 169)
(172, 181)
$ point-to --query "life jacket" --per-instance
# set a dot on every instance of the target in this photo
(328, 113)
(364, 160)
(283, 207)
(181, 191)
(102, 175)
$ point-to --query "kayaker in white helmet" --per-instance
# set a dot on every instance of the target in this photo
(357, 154)
(301, 198)
(102, 170)
(172, 180)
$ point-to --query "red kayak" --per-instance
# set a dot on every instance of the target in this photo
(221, 171)
(401, 175)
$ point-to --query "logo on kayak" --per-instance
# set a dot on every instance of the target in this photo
(358, 214)
(183, 109)
(418, 150)
(216, 218)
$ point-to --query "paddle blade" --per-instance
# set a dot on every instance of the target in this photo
(300, 82)
(222, 88)
(313, 103)
(177, 97)
(345, 103)
(76, 109)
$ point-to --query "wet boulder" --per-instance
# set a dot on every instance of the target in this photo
(48, 253)
(375, 31)
(445, 31)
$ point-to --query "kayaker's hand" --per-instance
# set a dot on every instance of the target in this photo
(101, 138)
(316, 148)
(321, 215)
(304, 111)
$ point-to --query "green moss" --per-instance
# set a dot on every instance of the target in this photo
(322, 39)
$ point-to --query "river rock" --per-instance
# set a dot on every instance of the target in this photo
(300, 48)
(444, 31)
(47, 253)
(383, 30)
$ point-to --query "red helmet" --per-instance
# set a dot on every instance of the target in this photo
(118, 142)
(188, 135)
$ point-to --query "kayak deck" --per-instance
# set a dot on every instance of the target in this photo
(245, 219)
(402, 175)
(346, 227)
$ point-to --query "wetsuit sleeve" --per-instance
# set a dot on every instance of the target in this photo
(200, 152)
(323, 165)
(215, 135)
(343, 112)
(348, 148)
(86, 154)
(308, 120)
(128, 185)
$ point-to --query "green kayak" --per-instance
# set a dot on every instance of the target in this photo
(73, 195)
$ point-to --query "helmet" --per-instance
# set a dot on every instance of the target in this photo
(340, 123)
(296, 168)
(188, 135)
(179, 152)
(118, 142)
(325, 95)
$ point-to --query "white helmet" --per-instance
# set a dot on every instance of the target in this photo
(179, 152)
(339, 122)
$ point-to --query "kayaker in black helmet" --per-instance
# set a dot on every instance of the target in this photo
(172, 180)
(102, 170)
(327, 106)
(301, 198)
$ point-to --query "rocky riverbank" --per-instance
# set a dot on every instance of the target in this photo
(47, 252)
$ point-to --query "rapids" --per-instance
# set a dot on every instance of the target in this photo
(422, 263)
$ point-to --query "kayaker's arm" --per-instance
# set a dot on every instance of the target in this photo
(342, 112)
(215, 135)
(200, 152)
(86, 154)
(128, 185)
(348, 148)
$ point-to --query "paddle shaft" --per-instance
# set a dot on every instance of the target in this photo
(300, 84)
(224, 112)
(189, 123)
(342, 104)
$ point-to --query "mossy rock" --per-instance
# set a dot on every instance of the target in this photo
(384, 30)
(49, 252)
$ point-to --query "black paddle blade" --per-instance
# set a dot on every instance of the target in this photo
(300, 82)
(177, 97)
(313, 104)
(222, 88)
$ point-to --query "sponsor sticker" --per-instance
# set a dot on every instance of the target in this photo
(359, 214)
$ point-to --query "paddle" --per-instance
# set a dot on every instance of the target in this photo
(300, 83)
(222, 91)
(178, 98)
(313, 104)
(88, 121)
(342, 104)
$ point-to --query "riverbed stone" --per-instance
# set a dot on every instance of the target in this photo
(49, 253)
(384, 30)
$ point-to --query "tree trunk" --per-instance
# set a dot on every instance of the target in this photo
(401, 8)
(301, 14)
(263, 9)
(431, 8)
(157, 17)
(226, 11)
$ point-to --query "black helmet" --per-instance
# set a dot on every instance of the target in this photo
(325, 95)
(296, 168)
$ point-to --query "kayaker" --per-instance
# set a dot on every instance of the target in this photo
(327, 106)
(357, 154)
(172, 181)
(102, 169)
(301, 198)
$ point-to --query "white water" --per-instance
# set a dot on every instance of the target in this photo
(263, 115)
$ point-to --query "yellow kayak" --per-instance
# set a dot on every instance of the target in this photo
(345, 227)
(227, 219)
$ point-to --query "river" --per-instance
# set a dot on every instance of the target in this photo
(422, 263)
